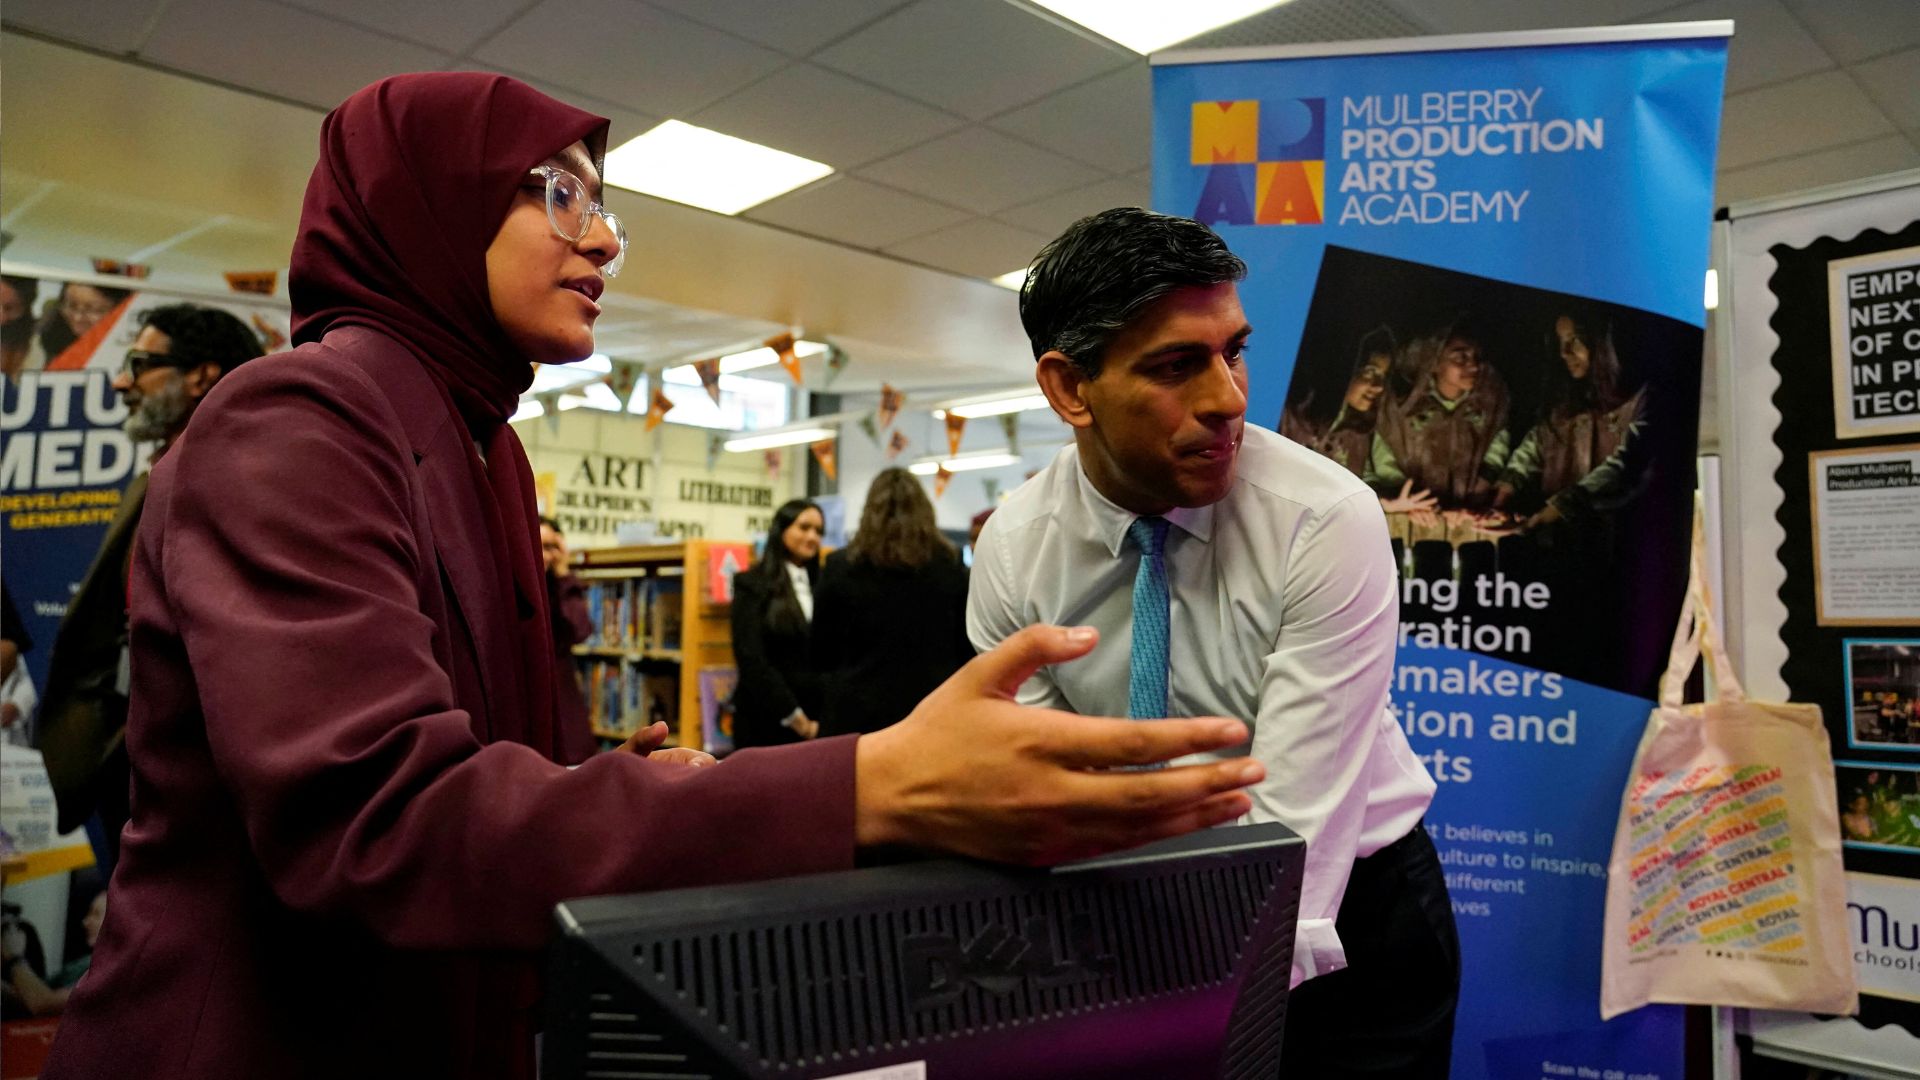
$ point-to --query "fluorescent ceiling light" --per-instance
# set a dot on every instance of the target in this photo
(1022, 403)
(978, 459)
(561, 376)
(735, 363)
(706, 169)
(1713, 288)
(772, 439)
(1149, 25)
(529, 409)
(598, 396)
(1012, 279)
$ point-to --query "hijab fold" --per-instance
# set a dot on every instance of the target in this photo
(415, 175)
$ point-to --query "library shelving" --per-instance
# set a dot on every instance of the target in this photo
(655, 631)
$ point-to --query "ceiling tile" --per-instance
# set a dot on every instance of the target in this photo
(981, 170)
(825, 116)
(113, 28)
(1770, 46)
(795, 27)
(287, 52)
(645, 59)
(1856, 29)
(1107, 122)
(1810, 113)
(454, 28)
(981, 247)
(973, 57)
(1894, 84)
(623, 124)
(852, 211)
(1870, 158)
(1470, 16)
(1052, 215)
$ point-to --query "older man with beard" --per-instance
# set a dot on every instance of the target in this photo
(181, 352)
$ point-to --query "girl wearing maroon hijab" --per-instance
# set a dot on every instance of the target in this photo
(348, 832)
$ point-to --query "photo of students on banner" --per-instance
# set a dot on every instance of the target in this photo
(1879, 806)
(1506, 430)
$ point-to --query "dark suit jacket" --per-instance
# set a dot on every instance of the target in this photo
(83, 715)
(886, 637)
(335, 866)
(777, 670)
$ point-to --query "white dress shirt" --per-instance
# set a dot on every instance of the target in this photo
(1284, 607)
(802, 588)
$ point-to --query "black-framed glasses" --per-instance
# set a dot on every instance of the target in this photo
(570, 210)
(141, 361)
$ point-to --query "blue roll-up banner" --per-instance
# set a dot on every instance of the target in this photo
(1476, 271)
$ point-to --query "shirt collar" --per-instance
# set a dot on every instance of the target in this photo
(1107, 521)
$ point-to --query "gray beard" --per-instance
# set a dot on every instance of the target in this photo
(158, 416)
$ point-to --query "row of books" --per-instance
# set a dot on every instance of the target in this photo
(622, 697)
(635, 612)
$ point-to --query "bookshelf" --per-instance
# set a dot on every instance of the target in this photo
(654, 628)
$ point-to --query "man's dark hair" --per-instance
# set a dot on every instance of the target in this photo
(203, 335)
(552, 524)
(1091, 281)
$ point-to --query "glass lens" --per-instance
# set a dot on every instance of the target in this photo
(567, 204)
(620, 236)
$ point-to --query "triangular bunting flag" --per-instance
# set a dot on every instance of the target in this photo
(896, 444)
(782, 345)
(270, 336)
(771, 459)
(623, 378)
(955, 425)
(709, 372)
(940, 479)
(550, 408)
(253, 281)
(890, 402)
(872, 429)
(836, 362)
(992, 487)
(827, 453)
(1010, 423)
(658, 408)
(715, 445)
(120, 269)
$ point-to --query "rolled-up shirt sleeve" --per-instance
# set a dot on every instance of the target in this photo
(1324, 692)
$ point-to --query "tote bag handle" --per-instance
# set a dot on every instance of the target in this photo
(1697, 632)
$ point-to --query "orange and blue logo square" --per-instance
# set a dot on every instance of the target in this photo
(1265, 161)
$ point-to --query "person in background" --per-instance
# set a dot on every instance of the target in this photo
(78, 309)
(780, 697)
(180, 354)
(349, 827)
(48, 996)
(1448, 435)
(567, 609)
(1345, 432)
(17, 296)
(890, 623)
(1577, 461)
(17, 695)
(1232, 570)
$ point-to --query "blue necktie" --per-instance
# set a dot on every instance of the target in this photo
(1147, 673)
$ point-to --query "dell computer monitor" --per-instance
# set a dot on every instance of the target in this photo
(1169, 961)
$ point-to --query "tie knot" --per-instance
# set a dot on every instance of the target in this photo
(1149, 534)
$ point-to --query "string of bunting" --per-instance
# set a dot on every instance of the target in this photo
(890, 402)
(782, 346)
(896, 444)
(658, 408)
(827, 453)
(940, 479)
(956, 424)
(709, 372)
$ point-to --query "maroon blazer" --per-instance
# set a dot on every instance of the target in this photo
(334, 868)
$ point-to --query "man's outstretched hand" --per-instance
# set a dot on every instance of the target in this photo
(972, 773)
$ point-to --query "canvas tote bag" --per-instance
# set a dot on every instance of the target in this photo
(1725, 886)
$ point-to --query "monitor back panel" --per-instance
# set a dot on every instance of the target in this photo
(1170, 961)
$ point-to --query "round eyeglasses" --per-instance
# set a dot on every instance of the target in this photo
(571, 212)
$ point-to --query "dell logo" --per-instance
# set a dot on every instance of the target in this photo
(937, 968)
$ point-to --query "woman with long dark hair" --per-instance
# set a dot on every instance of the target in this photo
(779, 699)
(891, 623)
(1575, 462)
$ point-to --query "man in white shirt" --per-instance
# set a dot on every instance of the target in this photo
(1230, 572)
